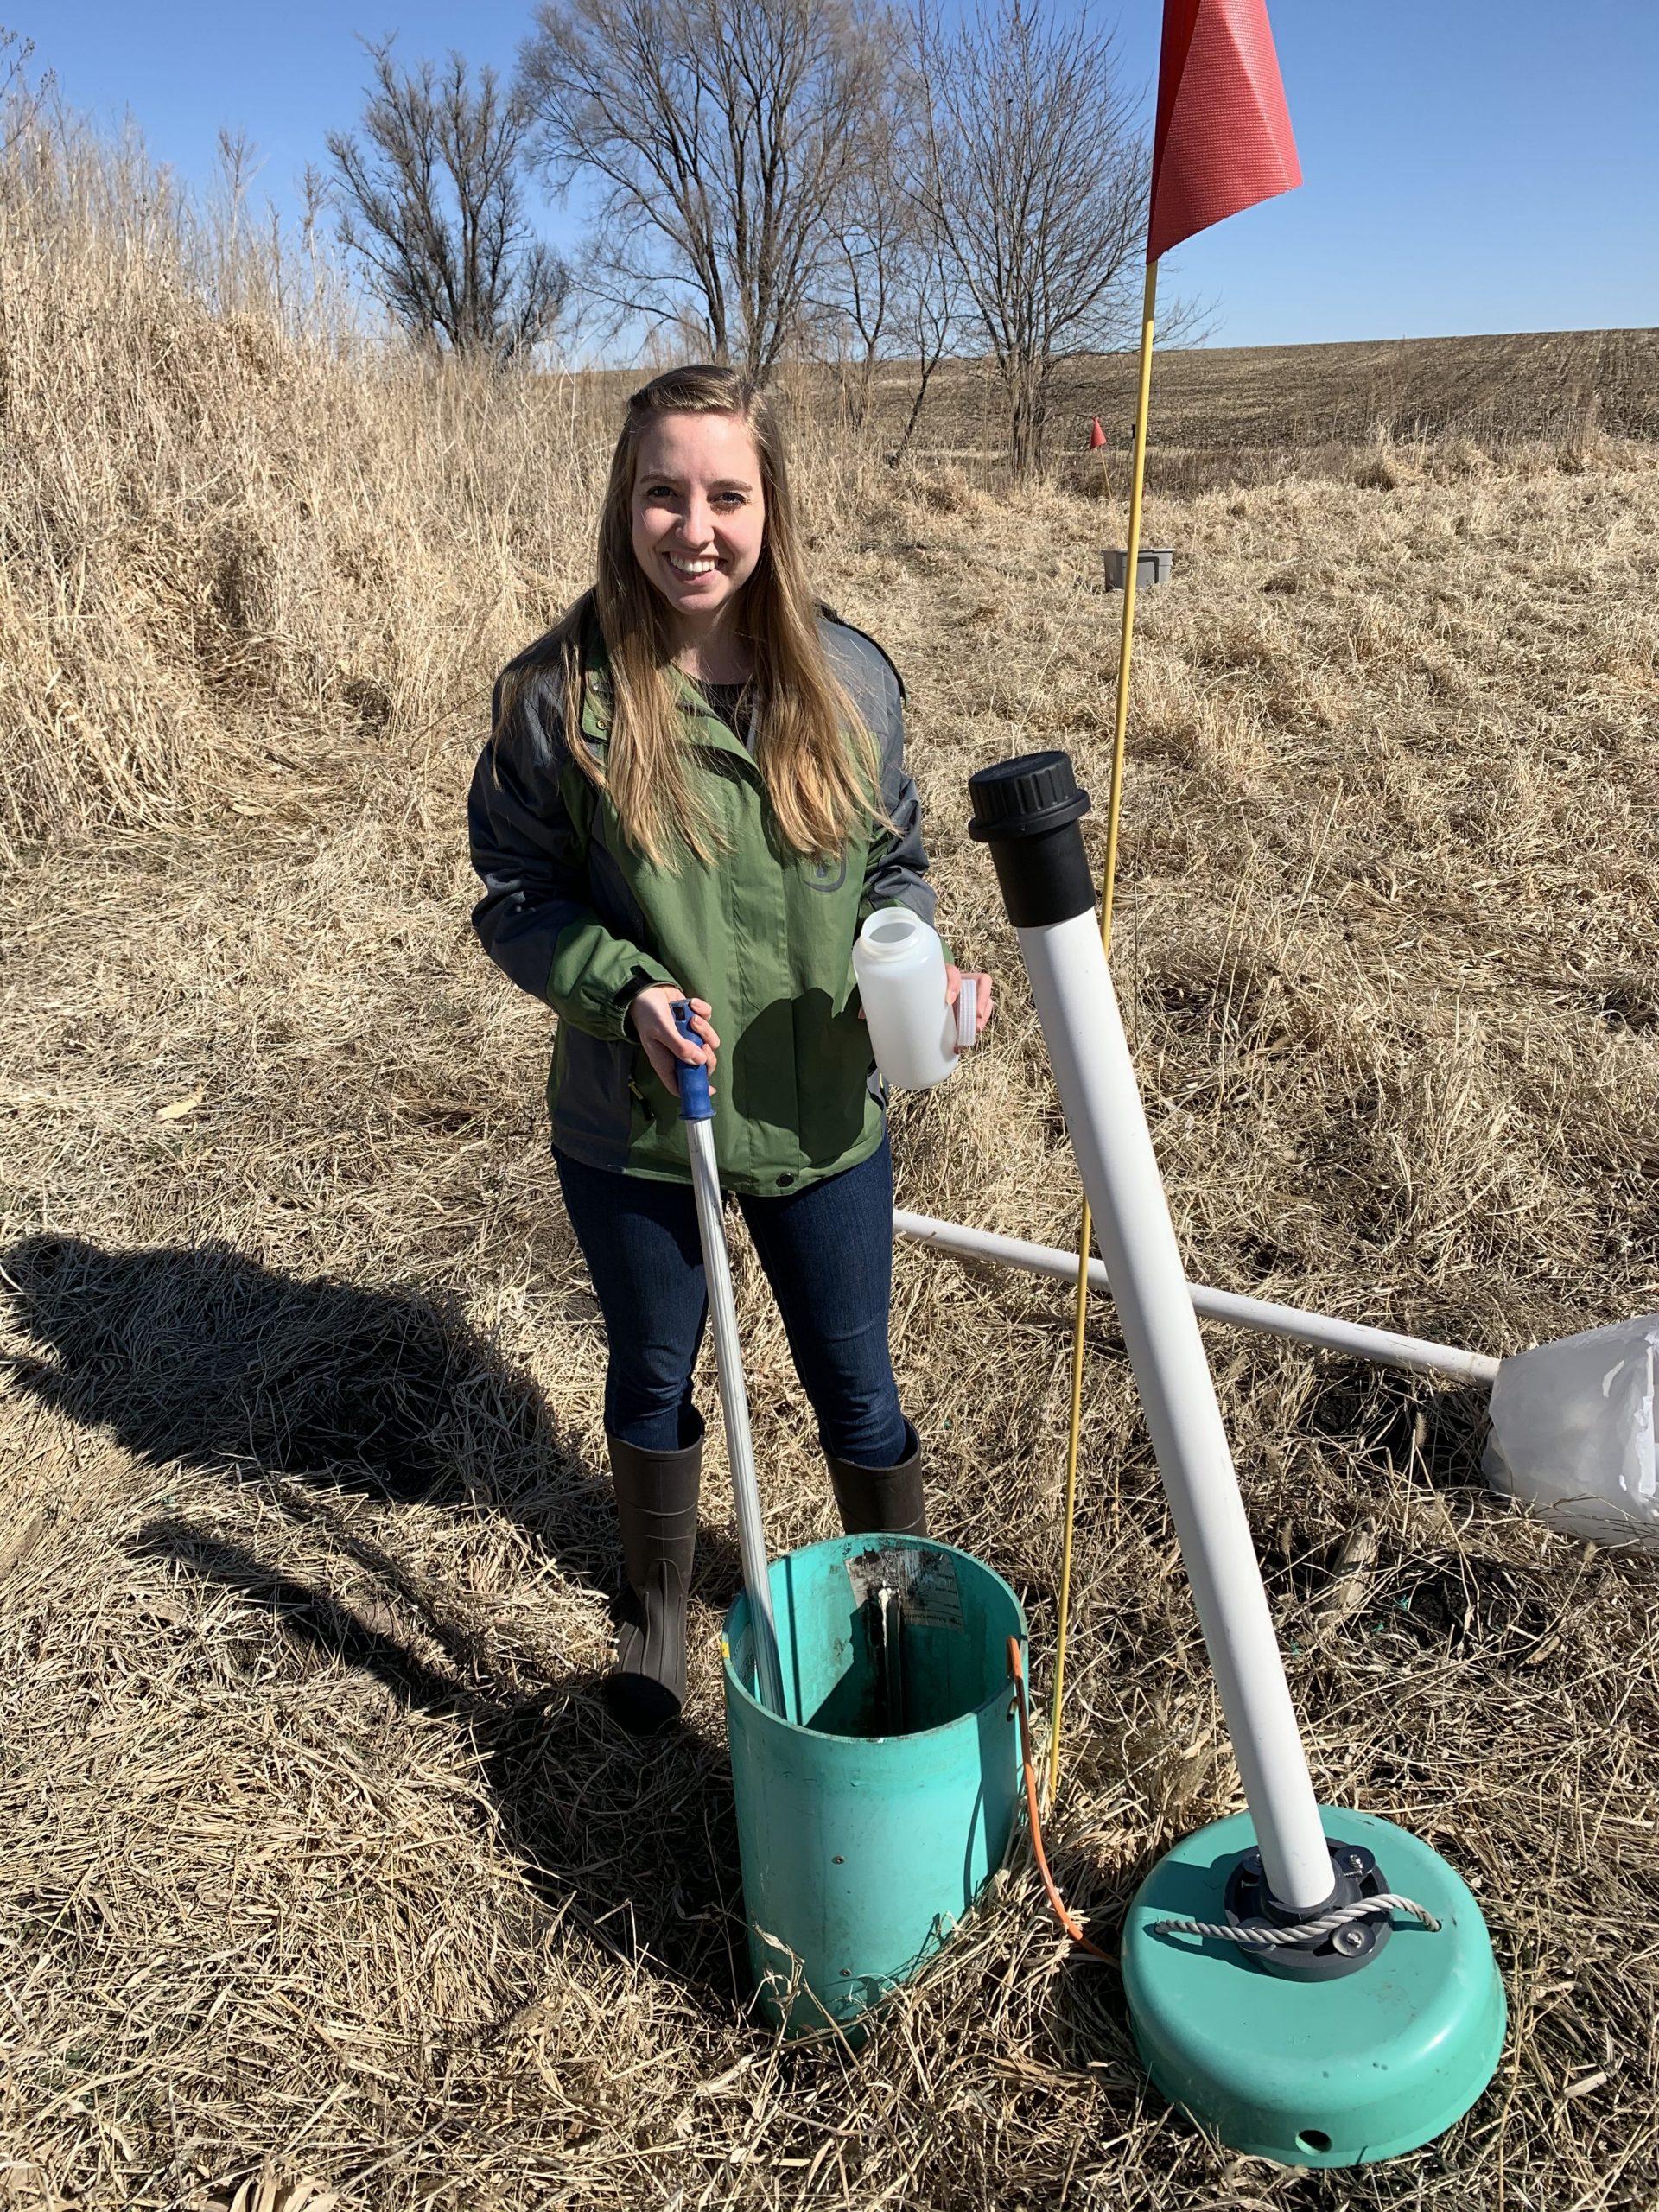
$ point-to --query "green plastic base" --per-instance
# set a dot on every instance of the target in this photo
(1324, 2072)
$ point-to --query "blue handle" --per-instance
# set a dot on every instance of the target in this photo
(695, 1105)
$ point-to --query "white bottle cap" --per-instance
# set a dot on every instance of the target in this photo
(967, 1013)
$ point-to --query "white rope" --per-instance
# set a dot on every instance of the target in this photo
(1306, 1931)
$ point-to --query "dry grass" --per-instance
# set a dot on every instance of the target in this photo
(323, 1865)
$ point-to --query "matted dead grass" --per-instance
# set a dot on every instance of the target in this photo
(325, 1873)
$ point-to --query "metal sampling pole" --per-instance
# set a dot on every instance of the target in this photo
(697, 1112)
(1027, 811)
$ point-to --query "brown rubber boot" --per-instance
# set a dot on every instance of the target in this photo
(869, 1499)
(657, 1505)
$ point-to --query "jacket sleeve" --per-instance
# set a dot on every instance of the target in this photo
(896, 874)
(536, 919)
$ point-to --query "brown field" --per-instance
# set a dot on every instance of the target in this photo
(322, 1861)
(1254, 415)
(1547, 384)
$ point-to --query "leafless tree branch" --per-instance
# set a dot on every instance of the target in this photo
(430, 200)
(1031, 172)
(21, 96)
(721, 134)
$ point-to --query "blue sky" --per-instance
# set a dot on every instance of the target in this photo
(1471, 165)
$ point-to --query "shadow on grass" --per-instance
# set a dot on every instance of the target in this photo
(322, 1399)
(640, 1839)
(201, 1357)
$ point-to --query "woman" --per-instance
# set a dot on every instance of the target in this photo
(694, 787)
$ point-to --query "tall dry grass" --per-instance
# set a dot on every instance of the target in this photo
(323, 1864)
(242, 537)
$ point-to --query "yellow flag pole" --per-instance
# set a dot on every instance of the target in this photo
(1113, 815)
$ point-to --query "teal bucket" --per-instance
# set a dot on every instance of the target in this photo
(870, 1816)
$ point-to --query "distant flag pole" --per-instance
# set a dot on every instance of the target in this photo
(1222, 142)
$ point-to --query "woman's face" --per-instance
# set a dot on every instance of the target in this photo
(699, 515)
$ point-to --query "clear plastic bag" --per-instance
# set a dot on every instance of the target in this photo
(1573, 1432)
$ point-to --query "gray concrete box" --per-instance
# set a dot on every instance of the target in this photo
(1153, 567)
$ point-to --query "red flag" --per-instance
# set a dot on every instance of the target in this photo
(1096, 436)
(1222, 139)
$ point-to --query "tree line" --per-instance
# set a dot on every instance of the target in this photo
(770, 179)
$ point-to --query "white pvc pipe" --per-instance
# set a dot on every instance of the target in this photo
(1323, 1330)
(1078, 1008)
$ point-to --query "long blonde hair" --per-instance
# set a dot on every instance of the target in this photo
(812, 747)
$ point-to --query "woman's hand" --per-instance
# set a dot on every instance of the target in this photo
(981, 982)
(651, 1014)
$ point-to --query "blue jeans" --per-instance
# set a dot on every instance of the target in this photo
(828, 1254)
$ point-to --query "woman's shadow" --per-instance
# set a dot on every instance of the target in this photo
(323, 1398)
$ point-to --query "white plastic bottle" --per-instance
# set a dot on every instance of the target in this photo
(899, 965)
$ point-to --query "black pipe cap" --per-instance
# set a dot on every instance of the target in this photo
(1026, 796)
(1029, 812)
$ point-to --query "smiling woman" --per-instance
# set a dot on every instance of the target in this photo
(694, 788)
(699, 522)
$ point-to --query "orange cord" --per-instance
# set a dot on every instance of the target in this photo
(1073, 1928)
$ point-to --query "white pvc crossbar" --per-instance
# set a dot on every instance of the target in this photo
(1382, 1346)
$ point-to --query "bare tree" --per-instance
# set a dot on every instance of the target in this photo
(928, 317)
(431, 201)
(874, 245)
(1032, 175)
(892, 294)
(721, 133)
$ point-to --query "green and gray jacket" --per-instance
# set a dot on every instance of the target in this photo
(581, 920)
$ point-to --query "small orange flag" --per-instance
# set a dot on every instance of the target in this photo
(1096, 436)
